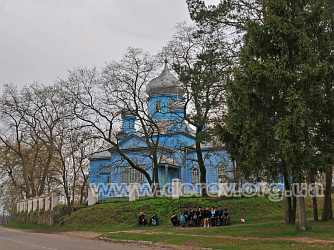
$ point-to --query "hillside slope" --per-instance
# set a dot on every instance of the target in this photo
(123, 215)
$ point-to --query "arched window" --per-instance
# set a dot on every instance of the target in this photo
(157, 106)
(195, 174)
(221, 168)
(221, 172)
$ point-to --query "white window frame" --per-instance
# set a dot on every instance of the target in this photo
(195, 174)
(157, 106)
(129, 174)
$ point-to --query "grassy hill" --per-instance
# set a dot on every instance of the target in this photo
(123, 215)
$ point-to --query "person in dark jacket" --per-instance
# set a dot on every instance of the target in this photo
(175, 220)
(142, 221)
(206, 216)
(154, 220)
(219, 214)
(186, 216)
(191, 217)
(199, 216)
(226, 217)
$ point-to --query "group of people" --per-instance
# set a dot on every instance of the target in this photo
(142, 221)
(191, 218)
(211, 217)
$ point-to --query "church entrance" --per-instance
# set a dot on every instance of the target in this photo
(167, 174)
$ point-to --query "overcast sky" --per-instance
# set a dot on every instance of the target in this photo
(41, 39)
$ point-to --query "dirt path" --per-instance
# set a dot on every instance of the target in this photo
(81, 234)
(308, 240)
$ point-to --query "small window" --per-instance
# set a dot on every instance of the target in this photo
(108, 179)
(195, 174)
(157, 106)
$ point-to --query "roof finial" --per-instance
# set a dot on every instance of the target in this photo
(166, 64)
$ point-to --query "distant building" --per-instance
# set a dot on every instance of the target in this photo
(177, 156)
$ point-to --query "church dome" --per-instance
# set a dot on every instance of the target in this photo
(164, 84)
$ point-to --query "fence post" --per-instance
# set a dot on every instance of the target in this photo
(41, 202)
(176, 189)
(133, 191)
(30, 204)
(93, 195)
(35, 204)
(222, 189)
(18, 207)
(54, 199)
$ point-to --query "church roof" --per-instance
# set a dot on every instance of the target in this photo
(101, 155)
(165, 83)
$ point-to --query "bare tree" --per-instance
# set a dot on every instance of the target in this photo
(100, 100)
(203, 63)
(27, 151)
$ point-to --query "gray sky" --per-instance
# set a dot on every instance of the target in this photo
(41, 39)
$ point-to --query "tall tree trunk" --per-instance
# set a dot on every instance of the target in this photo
(302, 212)
(82, 190)
(202, 169)
(155, 173)
(315, 208)
(294, 207)
(46, 171)
(327, 212)
(288, 215)
(301, 204)
(314, 198)
(331, 209)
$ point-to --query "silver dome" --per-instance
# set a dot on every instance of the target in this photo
(164, 84)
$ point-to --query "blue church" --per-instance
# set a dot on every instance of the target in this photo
(177, 155)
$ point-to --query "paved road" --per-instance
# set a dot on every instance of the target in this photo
(11, 239)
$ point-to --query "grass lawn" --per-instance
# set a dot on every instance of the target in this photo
(264, 227)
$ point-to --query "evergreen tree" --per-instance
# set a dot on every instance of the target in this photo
(277, 103)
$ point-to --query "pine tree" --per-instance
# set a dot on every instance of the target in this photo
(275, 104)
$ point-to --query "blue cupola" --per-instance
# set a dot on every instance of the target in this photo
(128, 123)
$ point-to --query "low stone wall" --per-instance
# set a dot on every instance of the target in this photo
(48, 218)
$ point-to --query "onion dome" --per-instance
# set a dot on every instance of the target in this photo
(164, 84)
